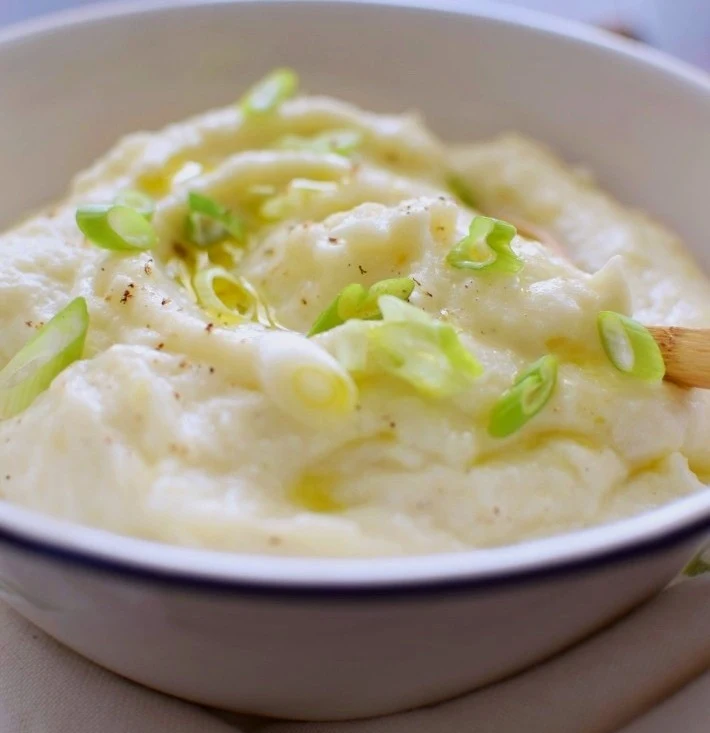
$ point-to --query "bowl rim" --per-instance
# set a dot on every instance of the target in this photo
(312, 577)
(319, 578)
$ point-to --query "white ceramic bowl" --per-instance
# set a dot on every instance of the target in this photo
(343, 638)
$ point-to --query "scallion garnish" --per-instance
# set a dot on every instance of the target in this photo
(304, 380)
(425, 352)
(357, 301)
(630, 347)
(230, 299)
(299, 193)
(137, 200)
(115, 227)
(461, 190)
(268, 94)
(340, 142)
(224, 295)
(53, 348)
(530, 392)
(486, 247)
(208, 222)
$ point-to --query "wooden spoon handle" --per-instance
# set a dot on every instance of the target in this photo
(686, 352)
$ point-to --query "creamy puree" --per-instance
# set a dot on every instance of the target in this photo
(184, 425)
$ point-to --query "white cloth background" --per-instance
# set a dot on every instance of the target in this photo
(648, 673)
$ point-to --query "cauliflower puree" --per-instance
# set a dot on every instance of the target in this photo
(203, 413)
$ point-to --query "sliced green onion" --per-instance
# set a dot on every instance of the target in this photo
(224, 295)
(264, 316)
(115, 227)
(231, 299)
(486, 247)
(408, 344)
(225, 255)
(268, 94)
(396, 310)
(340, 142)
(304, 380)
(52, 349)
(208, 222)
(350, 344)
(630, 347)
(422, 351)
(530, 392)
(357, 301)
(461, 190)
(300, 192)
(137, 200)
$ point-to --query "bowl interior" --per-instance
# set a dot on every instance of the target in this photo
(72, 86)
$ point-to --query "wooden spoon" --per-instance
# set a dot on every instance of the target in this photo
(685, 351)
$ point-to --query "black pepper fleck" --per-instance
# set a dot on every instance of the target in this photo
(209, 327)
(126, 295)
(363, 271)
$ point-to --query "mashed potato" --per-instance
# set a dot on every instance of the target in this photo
(230, 428)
